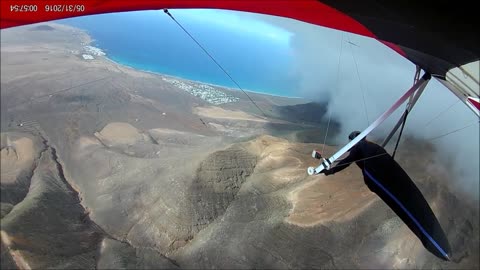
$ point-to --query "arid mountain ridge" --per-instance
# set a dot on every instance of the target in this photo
(126, 170)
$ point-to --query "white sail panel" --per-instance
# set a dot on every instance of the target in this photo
(464, 83)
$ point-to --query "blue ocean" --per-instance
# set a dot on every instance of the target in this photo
(152, 41)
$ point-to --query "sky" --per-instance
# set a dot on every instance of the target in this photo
(235, 21)
(361, 78)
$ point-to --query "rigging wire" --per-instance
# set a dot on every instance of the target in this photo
(454, 131)
(359, 81)
(442, 112)
(429, 139)
(401, 131)
(363, 159)
(213, 59)
(336, 90)
(409, 106)
(445, 134)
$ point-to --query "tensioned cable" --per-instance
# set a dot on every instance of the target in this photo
(453, 131)
(401, 131)
(359, 81)
(408, 107)
(362, 159)
(336, 90)
(213, 59)
(442, 112)
(430, 139)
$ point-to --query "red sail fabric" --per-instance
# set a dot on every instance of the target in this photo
(474, 102)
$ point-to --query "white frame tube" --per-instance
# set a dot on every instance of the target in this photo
(420, 83)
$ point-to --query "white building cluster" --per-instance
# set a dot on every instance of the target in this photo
(90, 52)
(204, 92)
(87, 57)
(93, 50)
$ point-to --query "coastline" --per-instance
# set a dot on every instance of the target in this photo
(105, 57)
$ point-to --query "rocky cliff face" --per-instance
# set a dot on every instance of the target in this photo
(19, 156)
(49, 227)
(218, 180)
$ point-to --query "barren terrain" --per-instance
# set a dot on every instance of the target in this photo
(103, 166)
